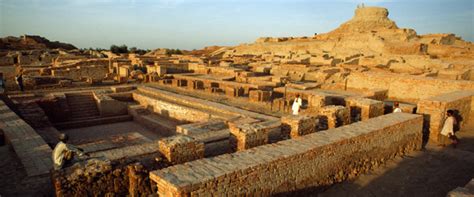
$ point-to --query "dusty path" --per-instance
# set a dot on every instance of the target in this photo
(432, 172)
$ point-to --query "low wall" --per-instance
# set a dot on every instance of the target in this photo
(434, 110)
(173, 110)
(203, 105)
(96, 72)
(108, 106)
(314, 161)
(31, 149)
(407, 87)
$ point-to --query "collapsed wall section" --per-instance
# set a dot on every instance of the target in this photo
(316, 160)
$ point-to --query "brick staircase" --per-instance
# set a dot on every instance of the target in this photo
(82, 106)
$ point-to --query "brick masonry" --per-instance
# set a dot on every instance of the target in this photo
(333, 116)
(187, 108)
(400, 87)
(434, 109)
(181, 148)
(317, 160)
(34, 153)
(299, 125)
(245, 136)
(364, 107)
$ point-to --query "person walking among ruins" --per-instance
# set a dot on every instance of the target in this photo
(63, 153)
(396, 107)
(447, 132)
(297, 103)
(19, 78)
(2, 82)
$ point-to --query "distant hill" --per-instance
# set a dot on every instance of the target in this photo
(205, 51)
(28, 42)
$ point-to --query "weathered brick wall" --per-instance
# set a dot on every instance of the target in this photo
(96, 72)
(181, 148)
(367, 108)
(316, 160)
(245, 136)
(333, 116)
(435, 108)
(29, 146)
(116, 172)
(108, 106)
(299, 125)
(216, 110)
(173, 110)
(406, 87)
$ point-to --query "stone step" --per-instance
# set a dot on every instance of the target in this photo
(82, 106)
(85, 113)
(82, 113)
(92, 122)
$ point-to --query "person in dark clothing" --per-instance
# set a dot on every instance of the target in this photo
(19, 79)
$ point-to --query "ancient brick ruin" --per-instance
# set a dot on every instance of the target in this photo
(221, 123)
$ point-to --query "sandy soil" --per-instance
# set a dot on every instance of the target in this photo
(432, 172)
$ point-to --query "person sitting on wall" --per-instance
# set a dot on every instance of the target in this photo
(396, 107)
(447, 133)
(63, 153)
(297, 103)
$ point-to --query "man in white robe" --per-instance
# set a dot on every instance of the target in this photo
(447, 131)
(64, 152)
(297, 103)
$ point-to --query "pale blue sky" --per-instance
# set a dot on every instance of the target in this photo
(191, 24)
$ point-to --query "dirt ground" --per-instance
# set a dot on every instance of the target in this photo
(432, 172)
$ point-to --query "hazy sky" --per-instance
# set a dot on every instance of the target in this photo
(191, 24)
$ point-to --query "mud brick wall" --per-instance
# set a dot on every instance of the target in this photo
(317, 160)
(260, 95)
(333, 116)
(434, 110)
(316, 101)
(201, 127)
(401, 87)
(181, 148)
(173, 110)
(116, 172)
(366, 108)
(29, 146)
(96, 72)
(245, 136)
(216, 110)
(299, 125)
(233, 91)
